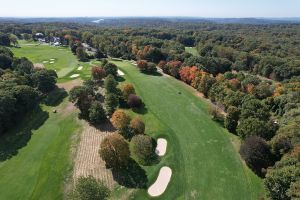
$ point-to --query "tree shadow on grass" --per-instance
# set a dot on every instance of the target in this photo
(18, 137)
(55, 97)
(120, 79)
(106, 127)
(153, 73)
(131, 177)
(141, 110)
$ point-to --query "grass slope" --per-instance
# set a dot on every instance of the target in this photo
(204, 162)
(192, 50)
(38, 170)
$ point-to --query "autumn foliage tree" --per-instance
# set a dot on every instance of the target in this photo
(146, 67)
(127, 89)
(114, 150)
(137, 126)
(120, 120)
(98, 73)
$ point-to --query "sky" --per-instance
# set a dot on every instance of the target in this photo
(147, 8)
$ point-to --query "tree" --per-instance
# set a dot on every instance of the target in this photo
(120, 120)
(281, 177)
(96, 113)
(142, 148)
(81, 54)
(114, 150)
(137, 126)
(110, 84)
(22, 66)
(127, 89)
(89, 188)
(82, 96)
(146, 67)
(111, 68)
(4, 39)
(111, 102)
(256, 153)
(44, 79)
(6, 57)
(99, 54)
(13, 39)
(232, 118)
(253, 126)
(98, 73)
(134, 101)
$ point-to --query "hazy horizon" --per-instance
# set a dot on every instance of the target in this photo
(154, 8)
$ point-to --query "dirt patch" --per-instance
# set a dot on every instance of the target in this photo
(70, 84)
(39, 65)
(87, 160)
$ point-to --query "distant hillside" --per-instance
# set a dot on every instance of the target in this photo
(118, 21)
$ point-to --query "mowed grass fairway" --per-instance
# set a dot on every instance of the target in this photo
(64, 60)
(204, 161)
(39, 169)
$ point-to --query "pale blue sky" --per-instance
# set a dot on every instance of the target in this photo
(195, 8)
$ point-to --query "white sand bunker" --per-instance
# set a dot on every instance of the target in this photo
(120, 73)
(45, 61)
(80, 68)
(161, 147)
(52, 59)
(52, 62)
(161, 182)
(74, 76)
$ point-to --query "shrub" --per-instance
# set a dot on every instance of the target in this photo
(137, 126)
(142, 148)
(120, 120)
(96, 113)
(256, 153)
(134, 101)
(88, 188)
(114, 151)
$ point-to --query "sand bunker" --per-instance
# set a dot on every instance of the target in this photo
(74, 76)
(52, 62)
(52, 59)
(38, 65)
(120, 73)
(161, 182)
(45, 61)
(161, 147)
(80, 68)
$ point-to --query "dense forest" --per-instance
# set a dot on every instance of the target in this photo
(251, 72)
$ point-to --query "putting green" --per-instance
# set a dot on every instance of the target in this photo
(200, 153)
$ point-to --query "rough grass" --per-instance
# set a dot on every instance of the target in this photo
(205, 163)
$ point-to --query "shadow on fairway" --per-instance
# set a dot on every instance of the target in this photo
(131, 177)
(141, 110)
(18, 137)
(55, 97)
